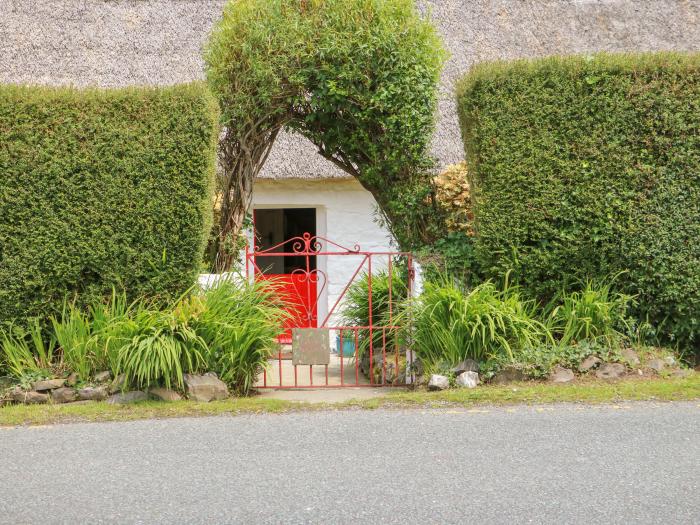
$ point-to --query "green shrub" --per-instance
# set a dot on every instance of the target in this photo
(102, 188)
(356, 310)
(453, 324)
(583, 167)
(239, 323)
(595, 312)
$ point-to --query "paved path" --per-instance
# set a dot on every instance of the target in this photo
(636, 463)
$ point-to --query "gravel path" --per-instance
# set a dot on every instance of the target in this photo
(556, 464)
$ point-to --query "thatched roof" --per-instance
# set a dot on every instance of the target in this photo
(123, 42)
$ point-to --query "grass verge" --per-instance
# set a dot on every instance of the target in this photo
(520, 393)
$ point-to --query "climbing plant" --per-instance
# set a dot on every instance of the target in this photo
(358, 78)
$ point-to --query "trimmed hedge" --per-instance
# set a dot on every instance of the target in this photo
(102, 189)
(587, 167)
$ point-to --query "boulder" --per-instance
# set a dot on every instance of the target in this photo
(438, 382)
(681, 373)
(205, 388)
(125, 398)
(93, 393)
(164, 394)
(611, 371)
(589, 363)
(630, 357)
(48, 384)
(561, 375)
(670, 360)
(118, 384)
(72, 379)
(29, 398)
(656, 364)
(64, 395)
(508, 374)
(468, 379)
(103, 377)
(468, 365)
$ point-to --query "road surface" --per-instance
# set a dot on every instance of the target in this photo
(631, 463)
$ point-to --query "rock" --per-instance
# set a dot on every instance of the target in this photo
(64, 395)
(468, 379)
(29, 398)
(681, 373)
(205, 388)
(93, 394)
(670, 360)
(508, 374)
(561, 375)
(468, 365)
(630, 357)
(164, 394)
(589, 363)
(72, 379)
(438, 382)
(48, 384)
(118, 384)
(656, 364)
(103, 377)
(125, 398)
(5, 382)
(611, 371)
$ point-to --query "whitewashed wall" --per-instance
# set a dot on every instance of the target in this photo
(345, 214)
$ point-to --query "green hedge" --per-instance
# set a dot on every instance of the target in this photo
(586, 167)
(102, 188)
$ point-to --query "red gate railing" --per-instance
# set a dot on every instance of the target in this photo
(376, 354)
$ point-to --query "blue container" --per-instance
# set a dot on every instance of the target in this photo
(347, 349)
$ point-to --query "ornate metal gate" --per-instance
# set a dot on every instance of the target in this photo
(372, 352)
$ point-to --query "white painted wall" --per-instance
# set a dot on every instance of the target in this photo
(345, 214)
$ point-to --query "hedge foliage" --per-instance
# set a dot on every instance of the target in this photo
(587, 167)
(102, 188)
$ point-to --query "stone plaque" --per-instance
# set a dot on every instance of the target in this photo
(310, 346)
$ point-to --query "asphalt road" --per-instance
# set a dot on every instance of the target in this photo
(636, 463)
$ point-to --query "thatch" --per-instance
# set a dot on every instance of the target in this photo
(123, 42)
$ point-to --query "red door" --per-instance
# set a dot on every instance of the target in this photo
(278, 259)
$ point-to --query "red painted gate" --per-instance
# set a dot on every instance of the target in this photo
(373, 353)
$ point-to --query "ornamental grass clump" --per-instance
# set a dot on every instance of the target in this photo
(239, 323)
(453, 324)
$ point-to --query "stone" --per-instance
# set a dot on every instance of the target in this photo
(561, 375)
(93, 393)
(103, 377)
(611, 371)
(670, 360)
(205, 388)
(630, 357)
(5, 382)
(125, 398)
(468, 365)
(118, 384)
(681, 373)
(589, 363)
(29, 398)
(468, 379)
(48, 384)
(164, 394)
(656, 364)
(72, 379)
(438, 382)
(508, 374)
(64, 395)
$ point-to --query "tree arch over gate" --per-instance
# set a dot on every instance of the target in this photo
(358, 78)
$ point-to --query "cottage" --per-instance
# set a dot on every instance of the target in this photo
(127, 42)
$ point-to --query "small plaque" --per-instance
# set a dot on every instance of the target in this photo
(310, 346)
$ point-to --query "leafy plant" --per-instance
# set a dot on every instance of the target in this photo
(160, 349)
(239, 322)
(595, 312)
(24, 350)
(452, 324)
(386, 307)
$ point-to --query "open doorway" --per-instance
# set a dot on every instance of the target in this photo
(275, 230)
